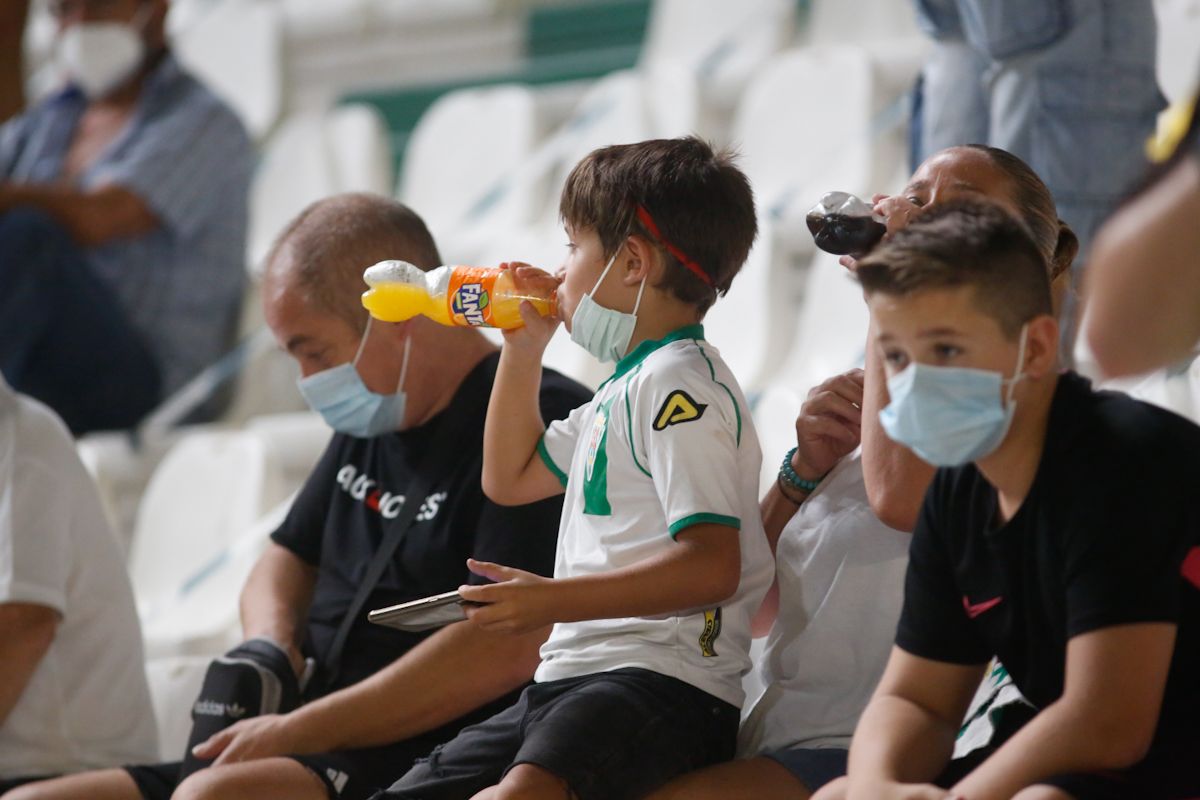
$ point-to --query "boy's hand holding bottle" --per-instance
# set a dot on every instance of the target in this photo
(532, 338)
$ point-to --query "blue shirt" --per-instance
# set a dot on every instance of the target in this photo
(188, 158)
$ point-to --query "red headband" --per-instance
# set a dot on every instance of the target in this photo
(692, 266)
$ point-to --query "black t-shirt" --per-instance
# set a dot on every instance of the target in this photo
(1107, 535)
(340, 517)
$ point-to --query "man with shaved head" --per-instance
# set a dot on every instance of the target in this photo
(387, 389)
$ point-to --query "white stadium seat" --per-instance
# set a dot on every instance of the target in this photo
(208, 489)
(235, 47)
(464, 184)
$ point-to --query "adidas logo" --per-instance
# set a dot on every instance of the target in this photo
(211, 708)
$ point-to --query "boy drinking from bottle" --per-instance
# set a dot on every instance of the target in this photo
(661, 557)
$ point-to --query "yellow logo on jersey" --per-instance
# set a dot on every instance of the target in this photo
(677, 408)
(712, 629)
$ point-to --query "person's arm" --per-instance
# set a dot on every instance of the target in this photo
(906, 733)
(26, 631)
(1104, 720)
(896, 479)
(276, 598)
(92, 216)
(827, 429)
(1143, 279)
(514, 473)
(13, 14)
(701, 571)
(452, 672)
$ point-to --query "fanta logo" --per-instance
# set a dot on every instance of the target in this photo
(469, 302)
(385, 504)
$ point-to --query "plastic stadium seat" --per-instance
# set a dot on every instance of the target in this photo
(721, 44)
(833, 326)
(310, 157)
(361, 159)
(775, 420)
(838, 21)
(747, 324)
(459, 180)
(208, 489)
(235, 47)
(201, 616)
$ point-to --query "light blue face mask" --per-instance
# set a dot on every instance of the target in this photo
(604, 332)
(348, 406)
(951, 415)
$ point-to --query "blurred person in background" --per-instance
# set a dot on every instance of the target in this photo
(122, 222)
(1143, 287)
(1068, 86)
(73, 694)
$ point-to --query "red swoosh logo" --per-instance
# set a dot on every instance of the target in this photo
(975, 609)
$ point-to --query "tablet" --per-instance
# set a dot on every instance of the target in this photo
(421, 615)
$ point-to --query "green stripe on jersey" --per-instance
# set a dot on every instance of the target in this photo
(595, 474)
(702, 518)
(712, 373)
(549, 462)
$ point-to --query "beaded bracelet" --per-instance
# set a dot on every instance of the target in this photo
(788, 475)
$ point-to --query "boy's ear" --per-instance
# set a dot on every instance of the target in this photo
(1041, 346)
(641, 261)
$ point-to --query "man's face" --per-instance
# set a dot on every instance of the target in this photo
(319, 340)
(941, 328)
(581, 269)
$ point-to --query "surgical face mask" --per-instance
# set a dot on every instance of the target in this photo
(951, 415)
(604, 332)
(100, 56)
(348, 406)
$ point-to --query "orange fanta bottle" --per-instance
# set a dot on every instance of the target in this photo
(467, 296)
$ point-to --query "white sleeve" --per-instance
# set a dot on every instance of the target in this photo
(35, 551)
(688, 430)
(557, 445)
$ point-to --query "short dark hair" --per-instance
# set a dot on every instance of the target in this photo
(334, 240)
(698, 200)
(965, 244)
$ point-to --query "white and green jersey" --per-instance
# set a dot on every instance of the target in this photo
(666, 443)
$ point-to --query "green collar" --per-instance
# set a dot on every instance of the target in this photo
(638, 354)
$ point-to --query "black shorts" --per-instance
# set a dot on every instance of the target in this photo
(347, 774)
(611, 735)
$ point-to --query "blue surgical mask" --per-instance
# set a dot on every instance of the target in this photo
(951, 415)
(604, 332)
(348, 406)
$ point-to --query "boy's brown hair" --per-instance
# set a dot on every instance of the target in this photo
(690, 202)
(965, 244)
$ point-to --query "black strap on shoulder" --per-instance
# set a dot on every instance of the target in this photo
(438, 459)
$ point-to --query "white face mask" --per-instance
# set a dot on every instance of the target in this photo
(604, 332)
(348, 406)
(952, 415)
(99, 57)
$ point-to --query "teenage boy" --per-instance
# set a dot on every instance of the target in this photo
(1056, 535)
(661, 557)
